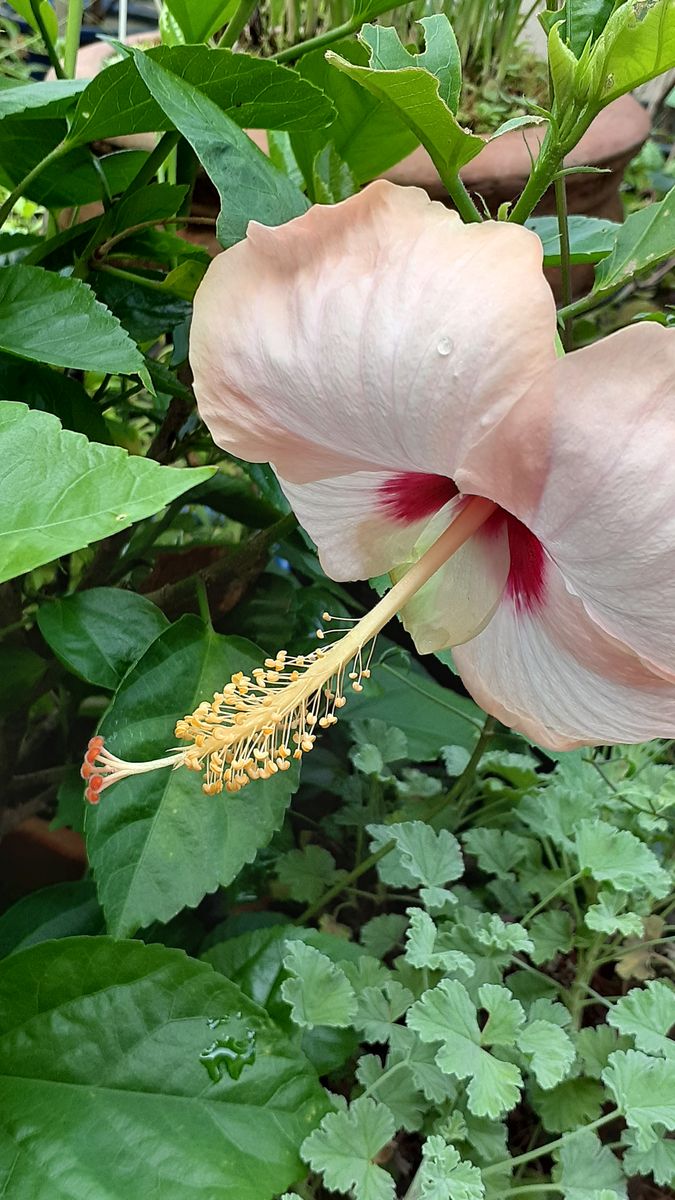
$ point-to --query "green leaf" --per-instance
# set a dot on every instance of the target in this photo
(648, 1015)
(490, 930)
(637, 44)
(146, 314)
(100, 633)
(551, 934)
(417, 96)
(59, 321)
(644, 1089)
(367, 133)
(45, 100)
(571, 1103)
(446, 1014)
(147, 834)
(422, 858)
(607, 915)
(394, 1089)
(333, 179)
(379, 1008)
(253, 92)
(54, 392)
(497, 851)
(550, 1050)
(20, 670)
(389, 741)
(47, 14)
(139, 1079)
(588, 1170)
(615, 856)
(646, 239)
(318, 991)
(59, 492)
(657, 1160)
(63, 910)
(581, 20)
(425, 947)
(199, 21)
(382, 934)
(344, 1146)
(591, 238)
(595, 1044)
(307, 872)
(444, 1176)
(250, 188)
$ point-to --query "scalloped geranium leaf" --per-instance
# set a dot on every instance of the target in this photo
(550, 1050)
(395, 1089)
(551, 934)
(318, 991)
(424, 947)
(346, 1143)
(644, 1089)
(587, 1170)
(648, 1015)
(422, 858)
(444, 1176)
(607, 915)
(658, 1160)
(307, 872)
(615, 856)
(379, 1008)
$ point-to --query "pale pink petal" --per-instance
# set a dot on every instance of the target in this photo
(607, 513)
(380, 333)
(547, 670)
(363, 523)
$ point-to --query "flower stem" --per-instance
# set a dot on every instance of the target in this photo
(73, 27)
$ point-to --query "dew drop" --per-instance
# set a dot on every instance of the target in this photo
(230, 1053)
(445, 347)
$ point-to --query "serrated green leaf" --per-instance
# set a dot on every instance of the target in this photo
(497, 851)
(550, 1050)
(55, 392)
(100, 633)
(394, 1089)
(658, 1160)
(644, 1089)
(319, 992)
(307, 872)
(59, 492)
(591, 238)
(446, 1014)
(648, 1015)
(104, 1080)
(551, 934)
(505, 1016)
(382, 934)
(422, 858)
(424, 946)
(444, 1176)
(646, 239)
(427, 1076)
(199, 21)
(333, 179)
(637, 44)
(45, 100)
(615, 856)
(416, 95)
(147, 834)
(51, 319)
(607, 915)
(595, 1044)
(249, 186)
(379, 1008)
(344, 1146)
(588, 1170)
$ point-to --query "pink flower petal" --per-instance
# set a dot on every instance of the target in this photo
(607, 513)
(551, 673)
(376, 334)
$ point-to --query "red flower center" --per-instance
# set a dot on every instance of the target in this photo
(409, 497)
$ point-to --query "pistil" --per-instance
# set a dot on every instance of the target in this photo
(259, 723)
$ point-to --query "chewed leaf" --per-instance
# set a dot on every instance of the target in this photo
(344, 1146)
(319, 992)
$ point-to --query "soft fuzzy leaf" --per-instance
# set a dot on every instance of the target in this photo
(395, 1089)
(594, 1045)
(490, 930)
(497, 851)
(588, 1170)
(125, 1070)
(318, 991)
(344, 1146)
(551, 934)
(571, 1103)
(644, 1089)
(443, 1175)
(648, 1015)
(51, 319)
(422, 858)
(446, 1014)
(424, 946)
(550, 1050)
(607, 915)
(382, 934)
(658, 1160)
(249, 186)
(615, 856)
(100, 633)
(147, 834)
(379, 1008)
(59, 492)
(307, 872)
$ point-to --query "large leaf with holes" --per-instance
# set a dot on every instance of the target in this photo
(637, 44)
(255, 94)
(59, 492)
(156, 842)
(102, 1091)
(249, 186)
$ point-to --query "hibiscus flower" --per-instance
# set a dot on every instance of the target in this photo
(398, 370)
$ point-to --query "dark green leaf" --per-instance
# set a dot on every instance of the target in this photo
(146, 313)
(591, 238)
(70, 180)
(148, 832)
(100, 1054)
(254, 93)
(199, 21)
(332, 178)
(581, 20)
(20, 670)
(41, 100)
(70, 803)
(59, 492)
(64, 910)
(51, 391)
(234, 497)
(59, 321)
(646, 239)
(250, 188)
(99, 634)
(153, 203)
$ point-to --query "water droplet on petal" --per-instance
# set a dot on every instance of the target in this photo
(445, 347)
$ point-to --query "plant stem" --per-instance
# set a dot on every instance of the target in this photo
(203, 601)
(466, 778)
(562, 887)
(540, 1151)
(126, 233)
(20, 189)
(73, 27)
(49, 45)
(567, 335)
(459, 195)
(293, 53)
(237, 23)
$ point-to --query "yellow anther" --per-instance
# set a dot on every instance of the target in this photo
(357, 687)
